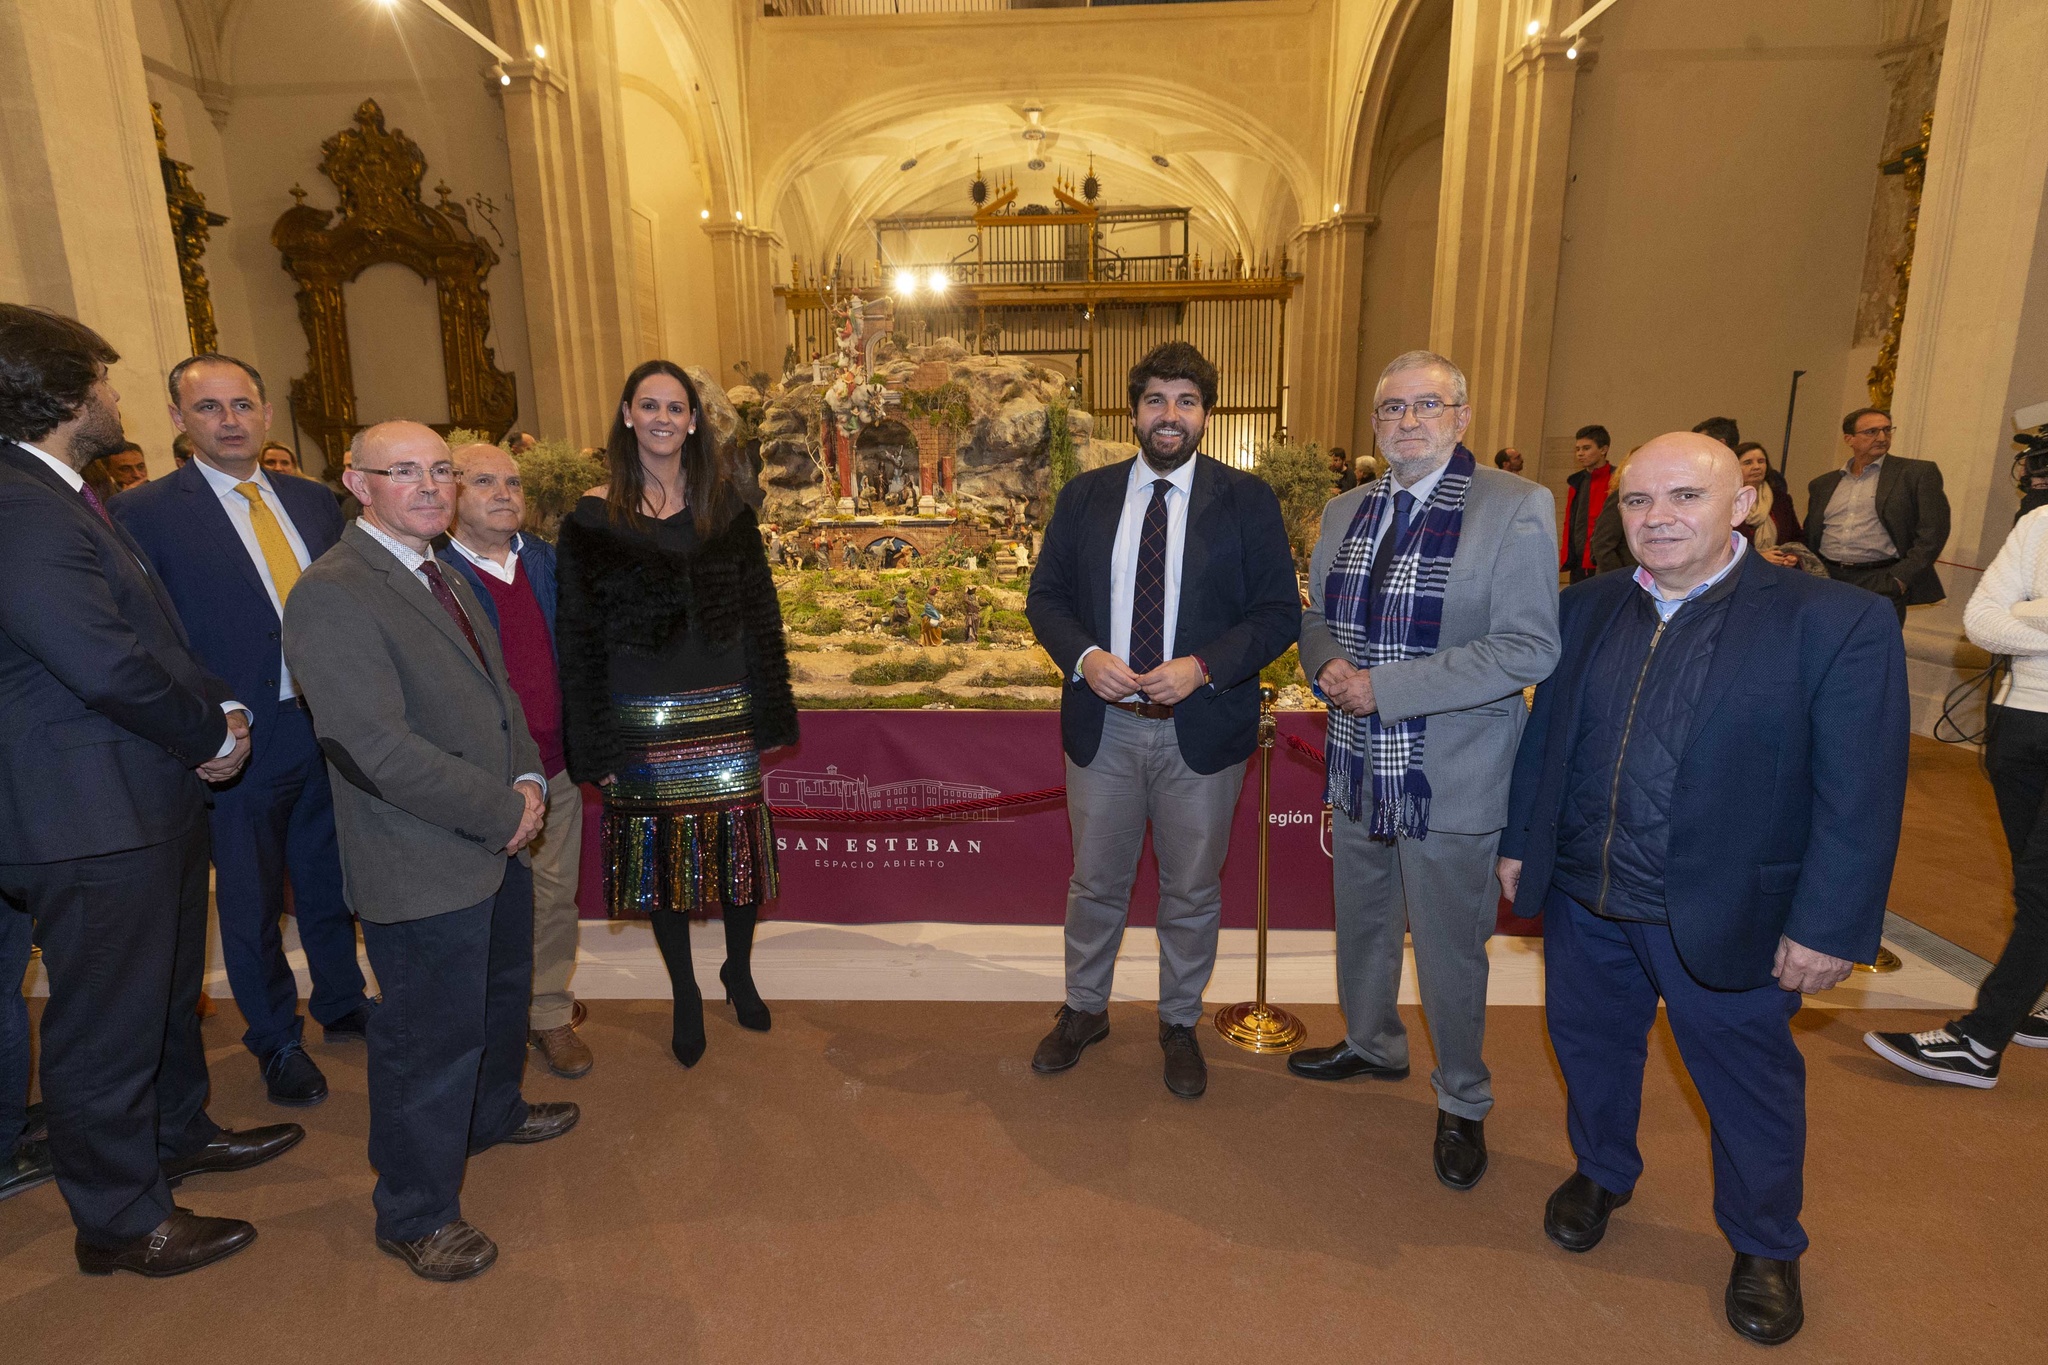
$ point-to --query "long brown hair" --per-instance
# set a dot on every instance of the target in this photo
(710, 479)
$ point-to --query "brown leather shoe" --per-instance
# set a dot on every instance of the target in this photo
(1072, 1032)
(453, 1251)
(1187, 1075)
(564, 1052)
(577, 1014)
(184, 1241)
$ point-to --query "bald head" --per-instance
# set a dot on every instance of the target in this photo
(491, 502)
(1681, 496)
(404, 478)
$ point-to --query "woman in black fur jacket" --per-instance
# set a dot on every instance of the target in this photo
(674, 682)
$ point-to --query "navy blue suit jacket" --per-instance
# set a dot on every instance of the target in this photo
(104, 710)
(182, 527)
(535, 555)
(1785, 814)
(1240, 607)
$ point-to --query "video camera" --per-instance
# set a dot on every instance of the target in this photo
(2030, 468)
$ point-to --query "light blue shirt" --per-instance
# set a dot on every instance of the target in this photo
(237, 508)
(1667, 607)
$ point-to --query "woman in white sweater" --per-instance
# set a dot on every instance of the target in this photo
(2008, 614)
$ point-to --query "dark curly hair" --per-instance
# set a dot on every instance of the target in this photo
(48, 365)
(1174, 360)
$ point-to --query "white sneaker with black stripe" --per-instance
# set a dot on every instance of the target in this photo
(1939, 1055)
(2033, 1030)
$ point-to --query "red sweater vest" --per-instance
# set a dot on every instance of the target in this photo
(530, 662)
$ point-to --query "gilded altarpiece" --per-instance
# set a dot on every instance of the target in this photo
(377, 172)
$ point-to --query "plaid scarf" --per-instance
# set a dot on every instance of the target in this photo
(1402, 624)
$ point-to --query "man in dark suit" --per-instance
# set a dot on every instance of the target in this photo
(109, 730)
(437, 792)
(513, 577)
(228, 540)
(1165, 585)
(1881, 520)
(1666, 864)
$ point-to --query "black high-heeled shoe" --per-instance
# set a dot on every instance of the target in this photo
(672, 936)
(747, 1005)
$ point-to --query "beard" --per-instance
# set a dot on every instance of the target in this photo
(1178, 453)
(98, 435)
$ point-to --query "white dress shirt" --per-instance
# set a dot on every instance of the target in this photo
(506, 573)
(237, 508)
(77, 483)
(413, 559)
(1123, 556)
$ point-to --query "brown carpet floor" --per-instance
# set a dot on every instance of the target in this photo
(1953, 875)
(890, 1182)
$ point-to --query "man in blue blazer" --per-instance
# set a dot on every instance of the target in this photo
(1165, 585)
(229, 539)
(1706, 808)
(110, 730)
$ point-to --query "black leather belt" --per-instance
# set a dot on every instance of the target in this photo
(299, 702)
(1873, 564)
(1150, 710)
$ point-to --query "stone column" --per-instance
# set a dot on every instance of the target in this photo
(84, 229)
(743, 269)
(569, 190)
(1507, 134)
(1327, 329)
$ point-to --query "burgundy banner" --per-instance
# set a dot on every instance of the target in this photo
(1006, 866)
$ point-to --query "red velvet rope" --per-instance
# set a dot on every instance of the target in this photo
(944, 812)
(1296, 742)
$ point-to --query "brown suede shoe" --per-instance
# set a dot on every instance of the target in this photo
(564, 1052)
(184, 1241)
(453, 1251)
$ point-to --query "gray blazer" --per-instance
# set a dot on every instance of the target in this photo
(422, 743)
(1499, 636)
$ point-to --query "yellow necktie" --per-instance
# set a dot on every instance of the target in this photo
(277, 551)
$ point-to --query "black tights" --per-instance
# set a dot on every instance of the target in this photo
(672, 936)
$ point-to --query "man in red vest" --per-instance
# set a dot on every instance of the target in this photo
(514, 577)
(1582, 503)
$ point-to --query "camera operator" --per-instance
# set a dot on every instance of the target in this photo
(2030, 470)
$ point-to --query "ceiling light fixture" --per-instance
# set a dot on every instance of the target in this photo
(937, 282)
(906, 282)
(468, 29)
(540, 51)
(1535, 27)
(703, 213)
(504, 79)
(738, 217)
(1571, 54)
(1337, 208)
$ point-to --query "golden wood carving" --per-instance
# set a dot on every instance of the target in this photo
(1910, 162)
(191, 224)
(382, 218)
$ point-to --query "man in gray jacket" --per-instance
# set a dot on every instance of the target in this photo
(1433, 603)
(437, 789)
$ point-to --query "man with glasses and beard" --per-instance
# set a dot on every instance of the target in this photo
(1433, 603)
(1881, 520)
(1164, 586)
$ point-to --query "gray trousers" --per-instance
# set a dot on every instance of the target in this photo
(557, 866)
(1445, 892)
(1139, 776)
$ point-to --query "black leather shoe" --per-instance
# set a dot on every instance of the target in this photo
(233, 1151)
(35, 1122)
(292, 1079)
(353, 1027)
(1187, 1075)
(1460, 1150)
(453, 1251)
(184, 1241)
(1072, 1031)
(543, 1121)
(1763, 1299)
(747, 1005)
(29, 1167)
(1340, 1063)
(1576, 1216)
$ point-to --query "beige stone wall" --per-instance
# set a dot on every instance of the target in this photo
(1723, 162)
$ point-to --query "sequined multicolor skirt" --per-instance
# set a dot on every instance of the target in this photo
(686, 826)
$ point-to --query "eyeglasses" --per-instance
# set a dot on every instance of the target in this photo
(1873, 431)
(407, 474)
(1394, 409)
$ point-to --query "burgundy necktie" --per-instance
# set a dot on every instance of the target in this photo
(92, 500)
(1148, 590)
(445, 595)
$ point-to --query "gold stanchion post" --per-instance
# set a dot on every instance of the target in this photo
(1885, 961)
(1257, 1026)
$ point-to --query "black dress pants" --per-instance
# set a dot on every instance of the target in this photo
(447, 1049)
(2017, 755)
(123, 1064)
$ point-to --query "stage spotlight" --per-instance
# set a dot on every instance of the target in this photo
(1571, 54)
(504, 79)
(1535, 27)
(540, 51)
(937, 282)
(906, 282)
(704, 213)
(1336, 208)
(738, 217)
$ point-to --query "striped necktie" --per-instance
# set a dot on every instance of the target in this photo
(270, 538)
(1148, 590)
